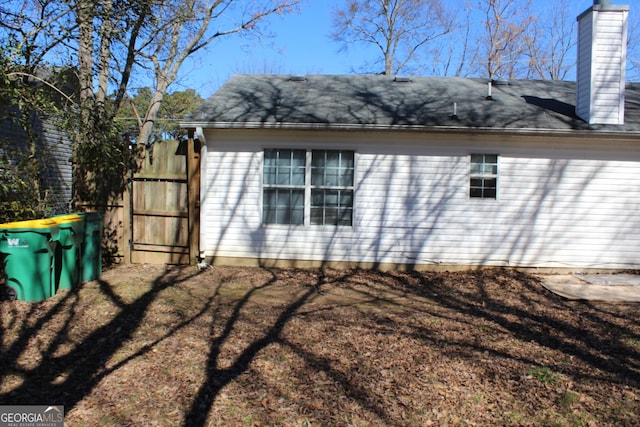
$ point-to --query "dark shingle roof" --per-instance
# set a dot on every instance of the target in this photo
(375, 101)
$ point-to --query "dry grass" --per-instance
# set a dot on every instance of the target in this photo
(269, 347)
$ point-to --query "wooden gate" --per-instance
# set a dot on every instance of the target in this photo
(164, 208)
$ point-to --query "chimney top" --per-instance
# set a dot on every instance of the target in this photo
(603, 5)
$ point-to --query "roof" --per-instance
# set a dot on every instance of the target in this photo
(416, 103)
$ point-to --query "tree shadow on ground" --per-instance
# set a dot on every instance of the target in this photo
(533, 314)
(64, 373)
(67, 369)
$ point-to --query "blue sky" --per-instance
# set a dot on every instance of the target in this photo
(300, 45)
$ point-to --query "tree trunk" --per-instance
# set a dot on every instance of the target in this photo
(84, 19)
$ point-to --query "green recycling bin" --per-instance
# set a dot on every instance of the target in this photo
(92, 246)
(69, 250)
(28, 251)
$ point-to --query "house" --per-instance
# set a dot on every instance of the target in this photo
(53, 145)
(412, 173)
(54, 148)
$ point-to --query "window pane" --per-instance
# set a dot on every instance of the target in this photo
(317, 198)
(270, 157)
(269, 176)
(283, 161)
(346, 198)
(332, 159)
(345, 216)
(347, 159)
(298, 158)
(477, 158)
(283, 206)
(490, 183)
(477, 168)
(332, 177)
(475, 192)
(283, 176)
(331, 198)
(331, 207)
(297, 199)
(332, 168)
(297, 217)
(346, 180)
(317, 216)
(331, 217)
(297, 176)
(489, 193)
(491, 169)
(284, 167)
(476, 182)
(283, 198)
(268, 209)
(317, 158)
(491, 158)
(317, 177)
(269, 197)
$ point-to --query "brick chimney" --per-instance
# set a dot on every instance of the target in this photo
(602, 55)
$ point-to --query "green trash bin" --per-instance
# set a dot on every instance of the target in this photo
(69, 251)
(92, 246)
(28, 251)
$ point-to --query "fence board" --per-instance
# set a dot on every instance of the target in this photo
(160, 210)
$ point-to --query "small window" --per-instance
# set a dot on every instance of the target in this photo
(308, 187)
(483, 177)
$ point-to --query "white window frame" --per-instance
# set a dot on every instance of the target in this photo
(489, 171)
(308, 188)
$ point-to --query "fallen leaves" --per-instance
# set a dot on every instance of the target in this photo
(272, 347)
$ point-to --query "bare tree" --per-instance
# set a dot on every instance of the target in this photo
(185, 27)
(550, 41)
(452, 53)
(396, 28)
(109, 42)
(633, 47)
(502, 43)
(31, 31)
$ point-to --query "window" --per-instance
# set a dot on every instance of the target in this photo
(283, 194)
(483, 181)
(331, 187)
(308, 187)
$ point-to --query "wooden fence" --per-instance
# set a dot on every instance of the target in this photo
(157, 219)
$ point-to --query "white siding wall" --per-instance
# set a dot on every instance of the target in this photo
(585, 53)
(574, 206)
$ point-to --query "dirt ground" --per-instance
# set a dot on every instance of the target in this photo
(149, 345)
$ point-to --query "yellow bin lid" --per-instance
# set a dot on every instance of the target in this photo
(35, 223)
(66, 218)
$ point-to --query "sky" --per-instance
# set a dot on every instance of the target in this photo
(300, 44)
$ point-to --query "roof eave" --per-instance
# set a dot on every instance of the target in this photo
(592, 133)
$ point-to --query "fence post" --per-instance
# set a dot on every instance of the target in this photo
(127, 213)
(193, 197)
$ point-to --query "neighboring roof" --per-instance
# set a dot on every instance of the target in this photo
(382, 102)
